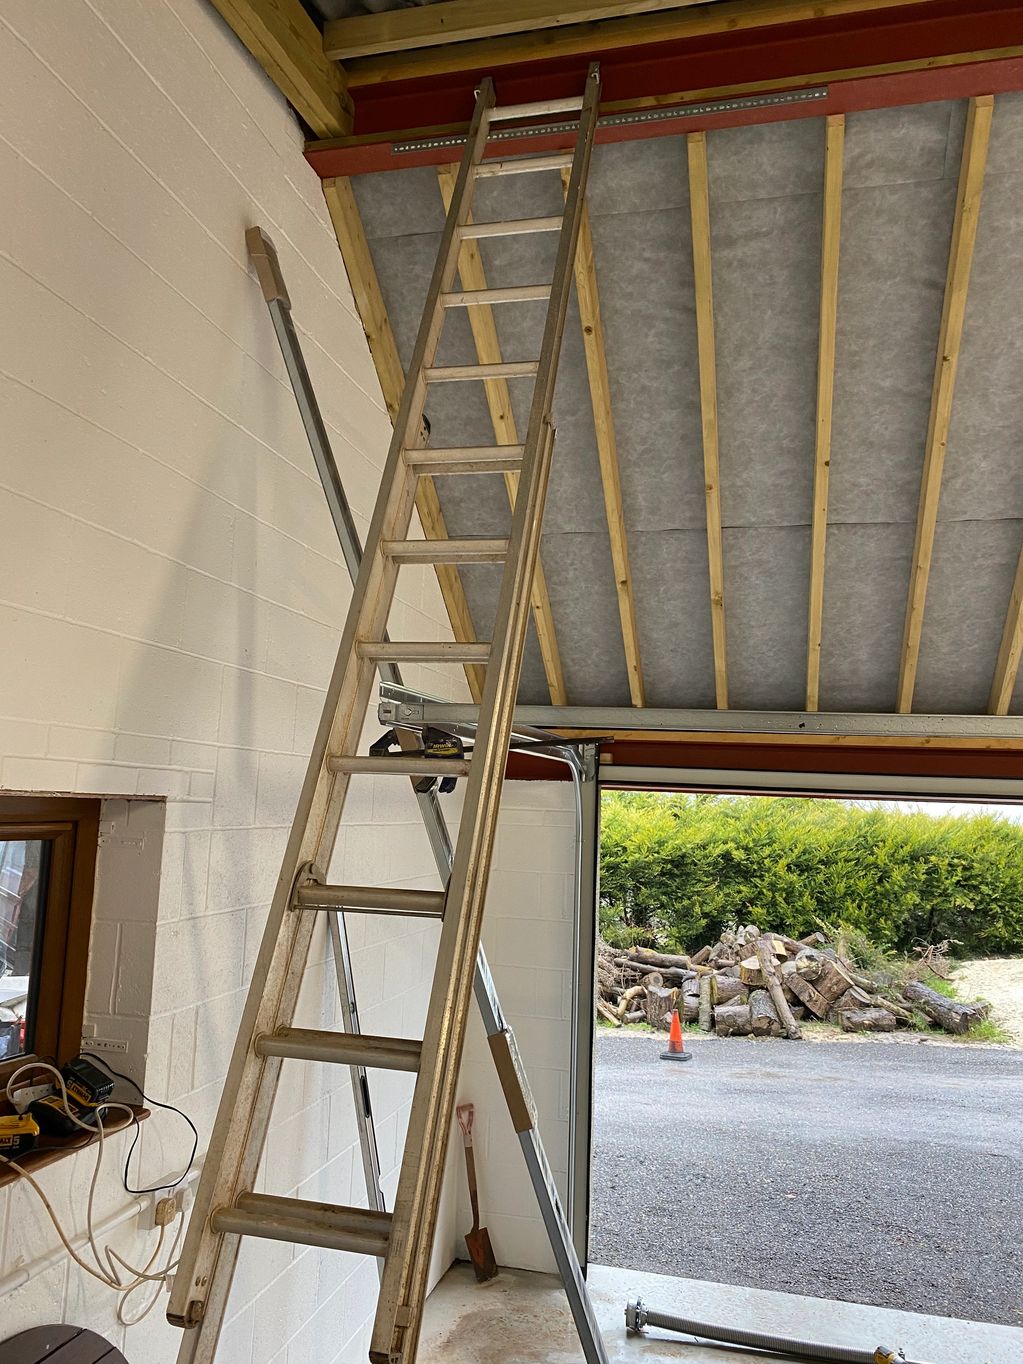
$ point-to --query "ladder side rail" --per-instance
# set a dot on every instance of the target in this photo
(399, 1312)
(202, 1284)
(278, 302)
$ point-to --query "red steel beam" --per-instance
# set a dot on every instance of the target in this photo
(942, 51)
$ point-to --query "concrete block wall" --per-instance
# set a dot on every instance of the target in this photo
(171, 594)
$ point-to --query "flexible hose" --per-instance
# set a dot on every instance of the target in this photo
(637, 1316)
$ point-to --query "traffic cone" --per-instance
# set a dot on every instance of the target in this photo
(676, 1047)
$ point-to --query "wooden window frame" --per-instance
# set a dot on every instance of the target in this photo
(72, 825)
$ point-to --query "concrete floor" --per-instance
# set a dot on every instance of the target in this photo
(522, 1318)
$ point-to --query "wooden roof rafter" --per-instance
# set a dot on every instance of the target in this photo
(351, 238)
(1010, 652)
(288, 46)
(953, 313)
(498, 396)
(595, 349)
(831, 226)
(699, 201)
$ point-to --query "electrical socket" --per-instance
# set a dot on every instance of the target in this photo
(104, 1044)
(21, 1098)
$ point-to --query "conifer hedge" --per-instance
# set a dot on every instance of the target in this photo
(676, 870)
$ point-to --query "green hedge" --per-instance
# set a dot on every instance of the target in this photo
(676, 870)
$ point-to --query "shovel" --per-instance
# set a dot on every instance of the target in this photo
(477, 1242)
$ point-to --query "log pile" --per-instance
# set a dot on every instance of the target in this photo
(756, 984)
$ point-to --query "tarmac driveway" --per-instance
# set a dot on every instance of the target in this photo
(874, 1172)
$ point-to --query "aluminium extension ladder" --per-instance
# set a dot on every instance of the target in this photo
(227, 1207)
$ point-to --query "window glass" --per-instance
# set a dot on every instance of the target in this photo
(24, 867)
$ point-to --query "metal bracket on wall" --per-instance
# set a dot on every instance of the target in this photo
(502, 1042)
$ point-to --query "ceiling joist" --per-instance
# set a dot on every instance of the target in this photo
(488, 352)
(351, 238)
(505, 48)
(607, 447)
(699, 201)
(288, 46)
(957, 283)
(830, 233)
(459, 21)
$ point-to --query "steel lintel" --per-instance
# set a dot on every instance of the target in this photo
(797, 724)
(946, 50)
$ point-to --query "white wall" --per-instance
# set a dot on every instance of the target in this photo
(171, 596)
(528, 937)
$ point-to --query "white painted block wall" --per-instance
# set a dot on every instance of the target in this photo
(170, 601)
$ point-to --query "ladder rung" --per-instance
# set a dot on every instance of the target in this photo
(474, 550)
(340, 1048)
(361, 1230)
(522, 165)
(401, 765)
(412, 904)
(538, 109)
(504, 369)
(468, 459)
(424, 651)
(516, 293)
(511, 227)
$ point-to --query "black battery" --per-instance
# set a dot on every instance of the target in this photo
(88, 1088)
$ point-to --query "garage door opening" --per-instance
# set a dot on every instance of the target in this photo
(872, 1158)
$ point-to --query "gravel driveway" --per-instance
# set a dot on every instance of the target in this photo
(881, 1174)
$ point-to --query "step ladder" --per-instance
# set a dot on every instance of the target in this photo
(227, 1207)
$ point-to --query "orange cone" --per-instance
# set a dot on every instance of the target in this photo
(676, 1047)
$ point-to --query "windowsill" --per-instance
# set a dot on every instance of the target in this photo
(56, 1148)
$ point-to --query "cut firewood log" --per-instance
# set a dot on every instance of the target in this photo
(803, 990)
(625, 1004)
(854, 998)
(814, 940)
(949, 1014)
(769, 967)
(708, 994)
(868, 1020)
(733, 1020)
(676, 974)
(750, 972)
(764, 1019)
(903, 1016)
(635, 1016)
(698, 958)
(606, 1012)
(792, 947)
(689, 1008)
(730, 990)
(646, 956)
(658, 1005)
(809, 964)
(833, 981)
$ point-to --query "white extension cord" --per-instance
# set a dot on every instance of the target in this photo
(165, 1213)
